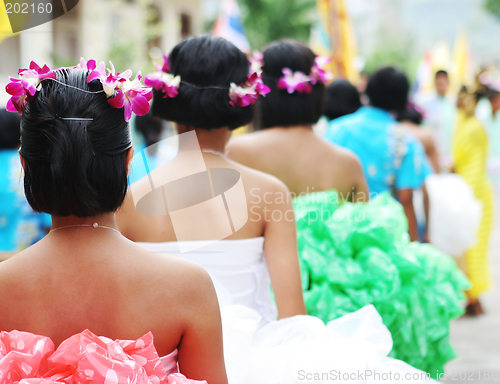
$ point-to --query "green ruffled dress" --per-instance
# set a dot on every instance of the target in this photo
(352, 255)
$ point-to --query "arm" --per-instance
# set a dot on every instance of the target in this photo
(361, 191)
(280, 247)
(405, 197)
(433, 155)
(201, 354)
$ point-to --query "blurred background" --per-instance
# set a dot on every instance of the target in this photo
(418, 36)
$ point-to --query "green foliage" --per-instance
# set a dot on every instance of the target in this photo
(269, 20)
(392, 52)
(493, 6)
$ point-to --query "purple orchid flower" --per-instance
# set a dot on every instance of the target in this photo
(295, 81)
(25, 87)
(248, 93)
(133, 97)
(319, 71)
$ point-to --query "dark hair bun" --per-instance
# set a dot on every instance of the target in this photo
(280, 108)
(342, 98)
(388, 89)
(205, 61)
(74, 167)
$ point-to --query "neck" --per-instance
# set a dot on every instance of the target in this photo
(107, 219)
(299, 128)
(214, 140)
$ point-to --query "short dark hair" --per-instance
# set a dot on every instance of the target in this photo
(388, 89)
(412, 115)
(441, 72)
(280, 108)
(9, 129)
(205, 61)
(74, 167)
(342, 98)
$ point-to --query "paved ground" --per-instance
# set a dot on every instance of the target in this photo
(477, 340)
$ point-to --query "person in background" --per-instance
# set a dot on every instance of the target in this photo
(147, 132)
(342, 98)
(470, 150)
(411, 118)
(286, 146)
(487, 112)
(393, 160)
(20, 227)
(440, 112)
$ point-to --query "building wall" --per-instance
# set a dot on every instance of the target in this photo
(101, 29)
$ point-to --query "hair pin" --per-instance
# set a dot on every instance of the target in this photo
(76, 118)
(121, 92)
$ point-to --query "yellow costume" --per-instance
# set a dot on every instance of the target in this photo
(470, 150)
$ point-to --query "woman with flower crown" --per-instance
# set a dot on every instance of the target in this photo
(351, 255)
(208, 88)
(84, 303)
(317, 165)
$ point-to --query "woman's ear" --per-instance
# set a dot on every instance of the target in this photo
(130, 156)
(22, 161)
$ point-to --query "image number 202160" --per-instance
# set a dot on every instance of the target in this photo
(26, 14)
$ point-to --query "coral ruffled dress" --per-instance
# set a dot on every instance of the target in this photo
(26, 358)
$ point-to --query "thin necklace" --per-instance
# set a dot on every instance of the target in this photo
(95, 225)
(214, 152)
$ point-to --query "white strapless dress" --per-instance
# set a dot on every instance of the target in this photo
(300, 349)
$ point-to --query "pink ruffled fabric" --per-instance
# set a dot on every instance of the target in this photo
(84, 358)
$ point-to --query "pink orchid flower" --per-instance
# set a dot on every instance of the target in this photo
(133, 97)
(319, 71)
(87, 65)
(163, 82)
(248, 93)
(256, 62)
(295, 81)
(25, 87)
(164, 67)
(109, 81)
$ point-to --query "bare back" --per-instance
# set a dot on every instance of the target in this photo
(303, 161)
(93, 278)
(270, 214)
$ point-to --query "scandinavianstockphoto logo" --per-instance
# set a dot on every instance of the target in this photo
(26, 14)
(207, 204)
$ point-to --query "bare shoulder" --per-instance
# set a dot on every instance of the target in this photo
(342, 155)
(243, 148)
(184, 277)
(255, 178)
(238, 145)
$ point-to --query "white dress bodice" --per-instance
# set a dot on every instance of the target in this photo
(238, 269)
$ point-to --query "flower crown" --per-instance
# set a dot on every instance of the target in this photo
(121, 92)
(300, 82)
(241, 95)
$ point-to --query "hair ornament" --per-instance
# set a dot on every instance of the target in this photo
(300, 82)
(163, 81)
(319, 71)
(25, 87)
(121, 92)
(241, 95)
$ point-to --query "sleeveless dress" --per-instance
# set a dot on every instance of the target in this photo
(26, 358)
(470, 152)
(357, 254)
(300, 349)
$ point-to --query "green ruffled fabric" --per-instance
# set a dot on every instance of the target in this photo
(352, 255)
